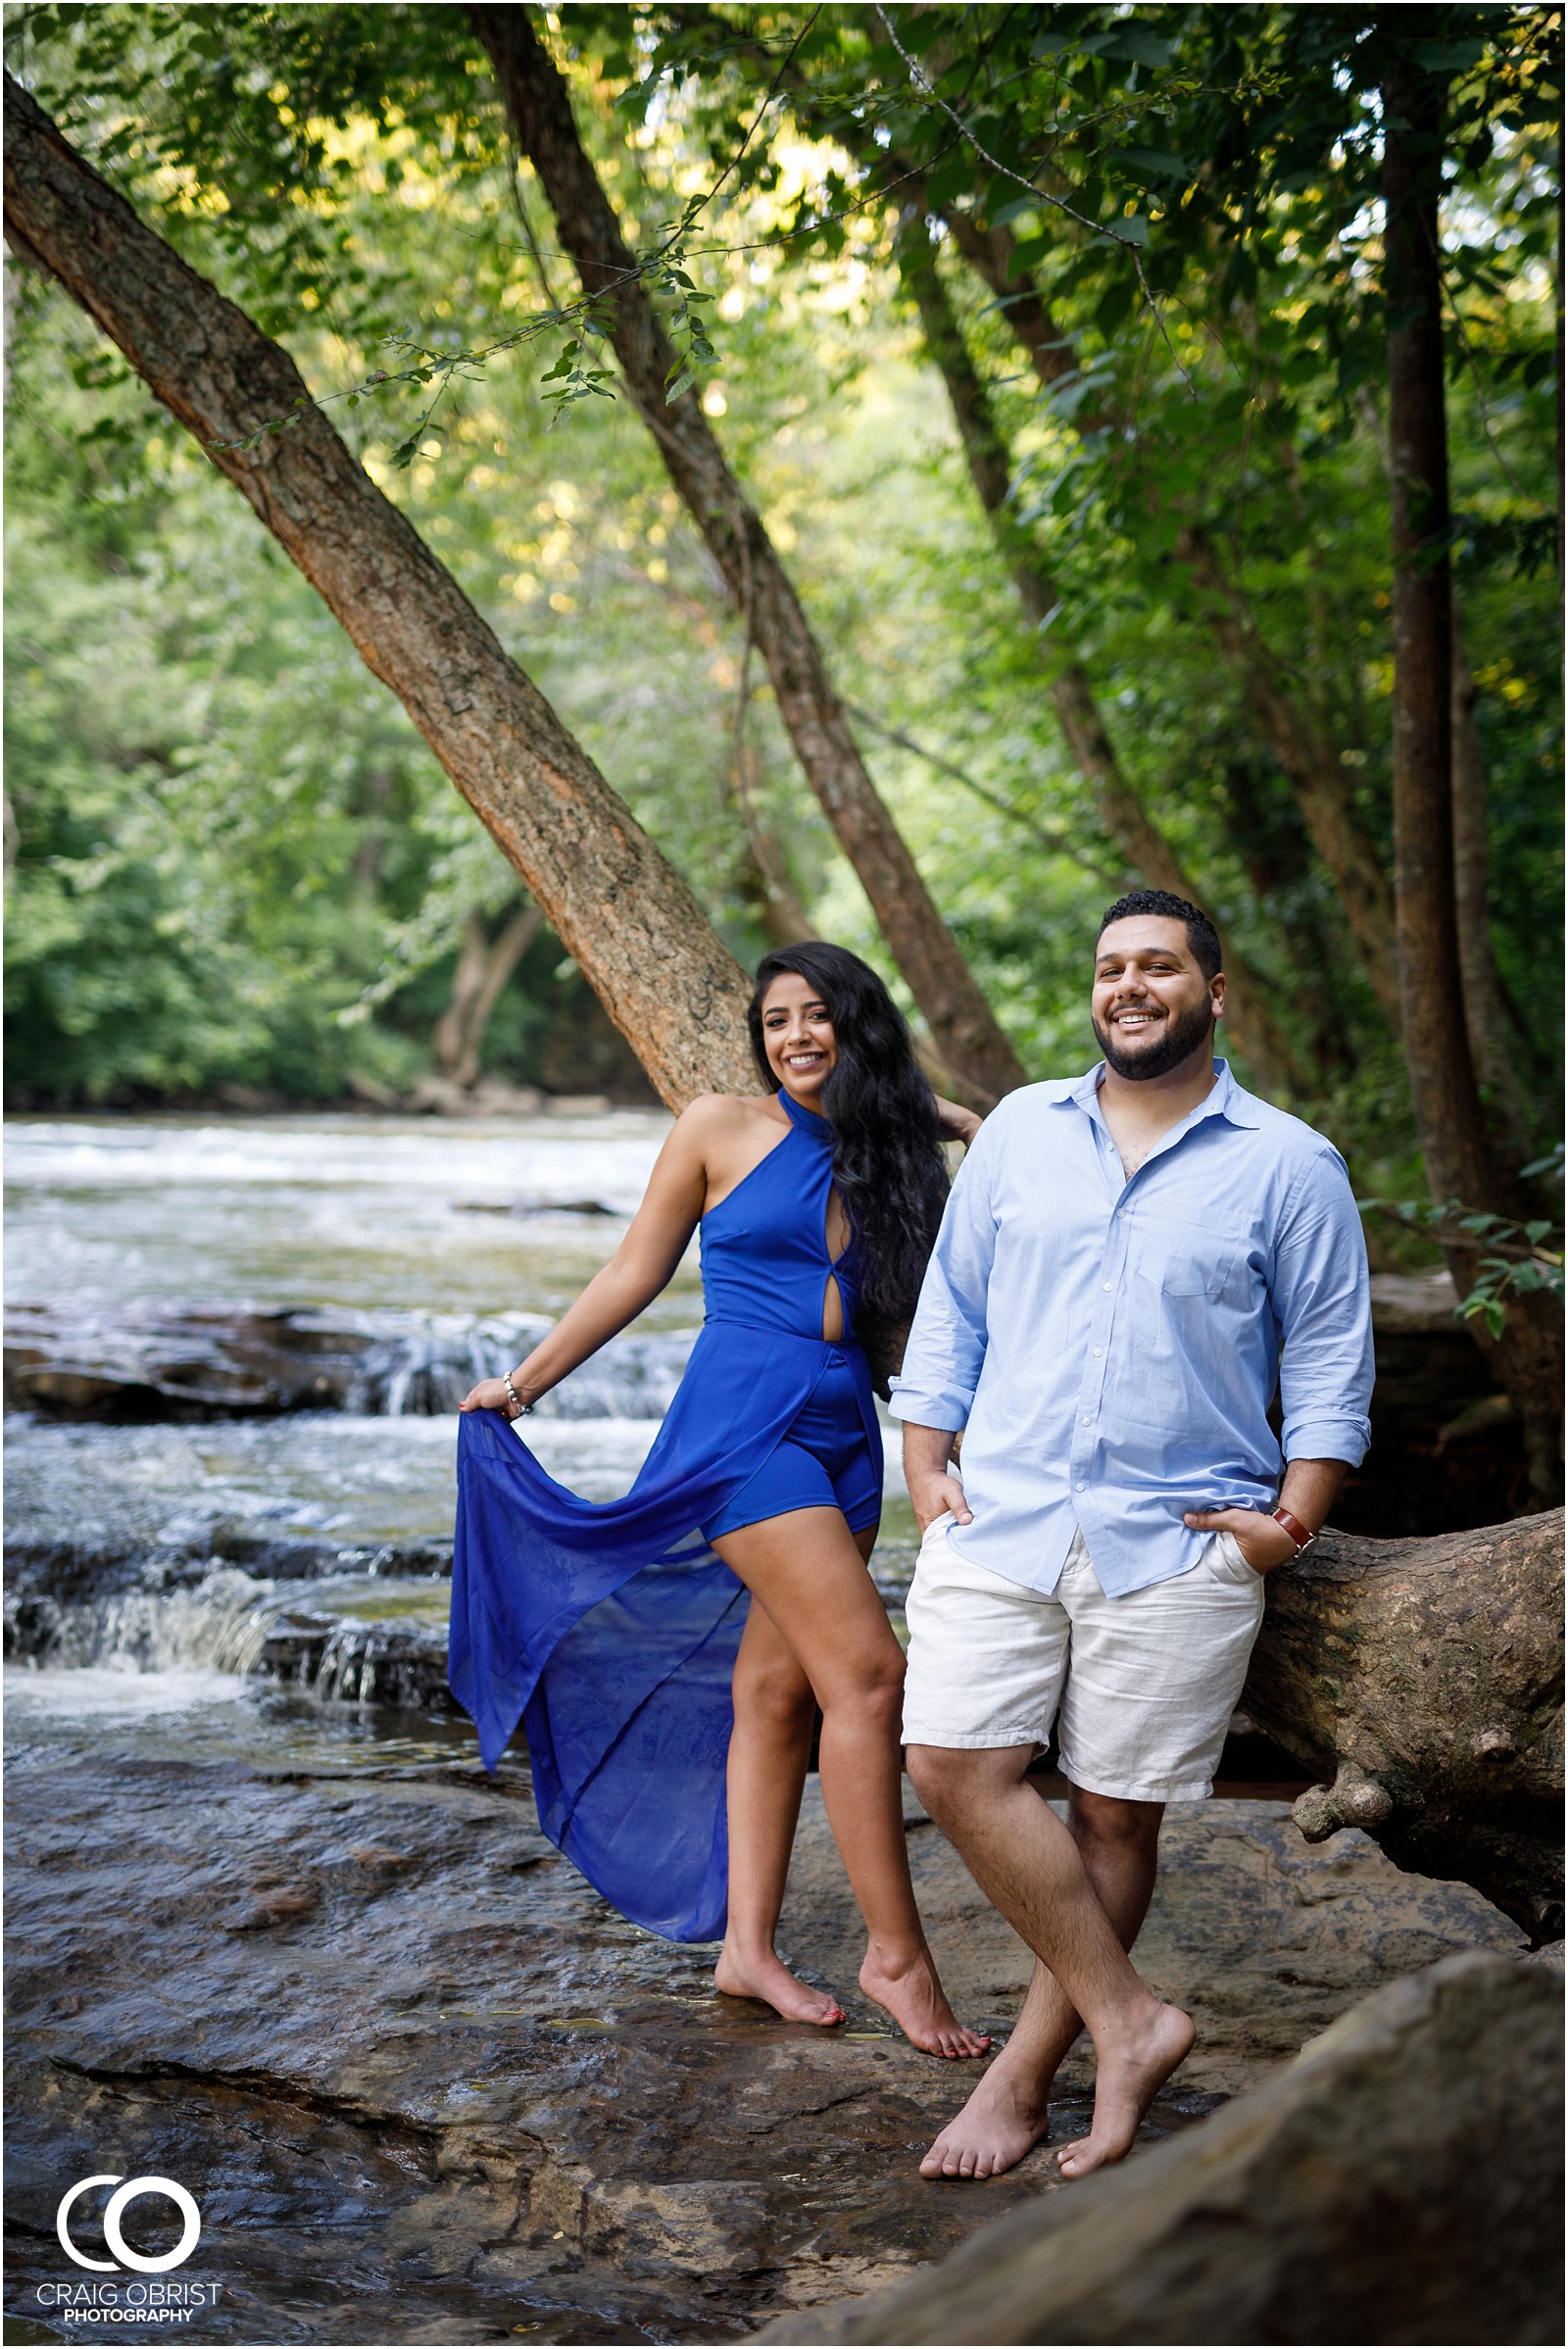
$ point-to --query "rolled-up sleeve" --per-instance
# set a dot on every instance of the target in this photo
(1322, 1296)
(946, 1346)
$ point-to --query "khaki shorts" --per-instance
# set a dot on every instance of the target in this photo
(1141, 1688)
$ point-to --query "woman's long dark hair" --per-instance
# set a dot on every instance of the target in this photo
(887, 1150)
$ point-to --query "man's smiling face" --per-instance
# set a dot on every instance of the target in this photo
(1152, 1006)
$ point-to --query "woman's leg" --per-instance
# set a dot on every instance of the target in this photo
(768, 1750)
(807, 1570)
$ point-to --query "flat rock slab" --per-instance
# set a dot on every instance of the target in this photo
(426, 2086)
(1400, 2180)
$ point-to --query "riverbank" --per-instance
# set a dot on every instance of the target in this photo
(427, 2087)
(275, 1935)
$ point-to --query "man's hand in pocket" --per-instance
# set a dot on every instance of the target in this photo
(1262, 1539)
(939, 1497)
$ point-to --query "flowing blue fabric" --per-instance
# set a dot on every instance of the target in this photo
(610, 1628)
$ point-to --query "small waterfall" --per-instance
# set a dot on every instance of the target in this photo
(381, 1663)
(231, 1623)
(426, 1370)
(222, 1623)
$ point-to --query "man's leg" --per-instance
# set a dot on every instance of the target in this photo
(1118, 1842)
(1032, 1869)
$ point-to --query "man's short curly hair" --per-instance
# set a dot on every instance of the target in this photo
(1201, 935)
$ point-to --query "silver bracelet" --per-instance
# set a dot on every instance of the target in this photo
(520, 1409)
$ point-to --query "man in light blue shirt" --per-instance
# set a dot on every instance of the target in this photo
(1129, 1267)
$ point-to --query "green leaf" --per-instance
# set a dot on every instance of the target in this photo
(1156, 163)
(1447, 57)
(1131, 44)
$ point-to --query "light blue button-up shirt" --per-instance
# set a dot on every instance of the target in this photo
(1110, 1346)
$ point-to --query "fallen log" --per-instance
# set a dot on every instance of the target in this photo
(1400, 2180)
(1422, 1681)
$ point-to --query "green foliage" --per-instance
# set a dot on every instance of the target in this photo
(215, 813)
(1510, 1258)
(1198, 214)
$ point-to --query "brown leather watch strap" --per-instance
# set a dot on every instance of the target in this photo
(1300, 1534)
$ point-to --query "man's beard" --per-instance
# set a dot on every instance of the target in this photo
(1180, 1038)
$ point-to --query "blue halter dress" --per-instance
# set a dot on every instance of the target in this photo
(610, 1628)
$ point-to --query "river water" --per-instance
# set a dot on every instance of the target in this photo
(274, 1584)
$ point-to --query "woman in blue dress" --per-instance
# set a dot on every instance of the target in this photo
(666, 1652)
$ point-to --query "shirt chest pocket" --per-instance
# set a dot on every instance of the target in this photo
(1189, 1256)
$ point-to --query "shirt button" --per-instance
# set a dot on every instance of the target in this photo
(1104, 1283)
(1120, 1212)
(1080, 1487)
(1086, 1421)
(1098, 1350)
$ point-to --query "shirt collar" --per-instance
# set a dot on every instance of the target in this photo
(1227, 1098)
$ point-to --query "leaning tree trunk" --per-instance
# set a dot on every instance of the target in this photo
(1122, 815)
(1422, 1680)
(962, 1023)
(484, 965)
(1309, 760)
(616, 903)
(1449, 1118)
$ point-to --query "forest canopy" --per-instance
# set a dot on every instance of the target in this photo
(1050, 347)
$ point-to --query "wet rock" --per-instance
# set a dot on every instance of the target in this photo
(391, 1663)
(491, 1097)
(130, 1364)
(557, 1206)
(428, 2086)
(1402, 2180)
(66, 1601)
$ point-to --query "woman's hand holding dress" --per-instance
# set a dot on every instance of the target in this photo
(489, 1395)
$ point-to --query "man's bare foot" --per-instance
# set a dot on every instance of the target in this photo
(911, 1995)
(768, 1979)
(1002, 2119)
(1129, 2079)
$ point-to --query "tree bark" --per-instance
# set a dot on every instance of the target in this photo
(766, 877)
(1486, 1016)
(1310, 762)
(484, 965)
(1449, 1118)
(1423, 1681)
(1432, 994)
(962, 1023)
(617, 904)
(1150, 855)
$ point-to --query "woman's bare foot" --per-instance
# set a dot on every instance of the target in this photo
(1002, 2119)
(908, 1990)
(768, 1979)
(1130, 2077)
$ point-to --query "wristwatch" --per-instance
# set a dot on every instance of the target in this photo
(1299, 1532)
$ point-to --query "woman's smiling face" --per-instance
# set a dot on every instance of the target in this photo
(798, 1037)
